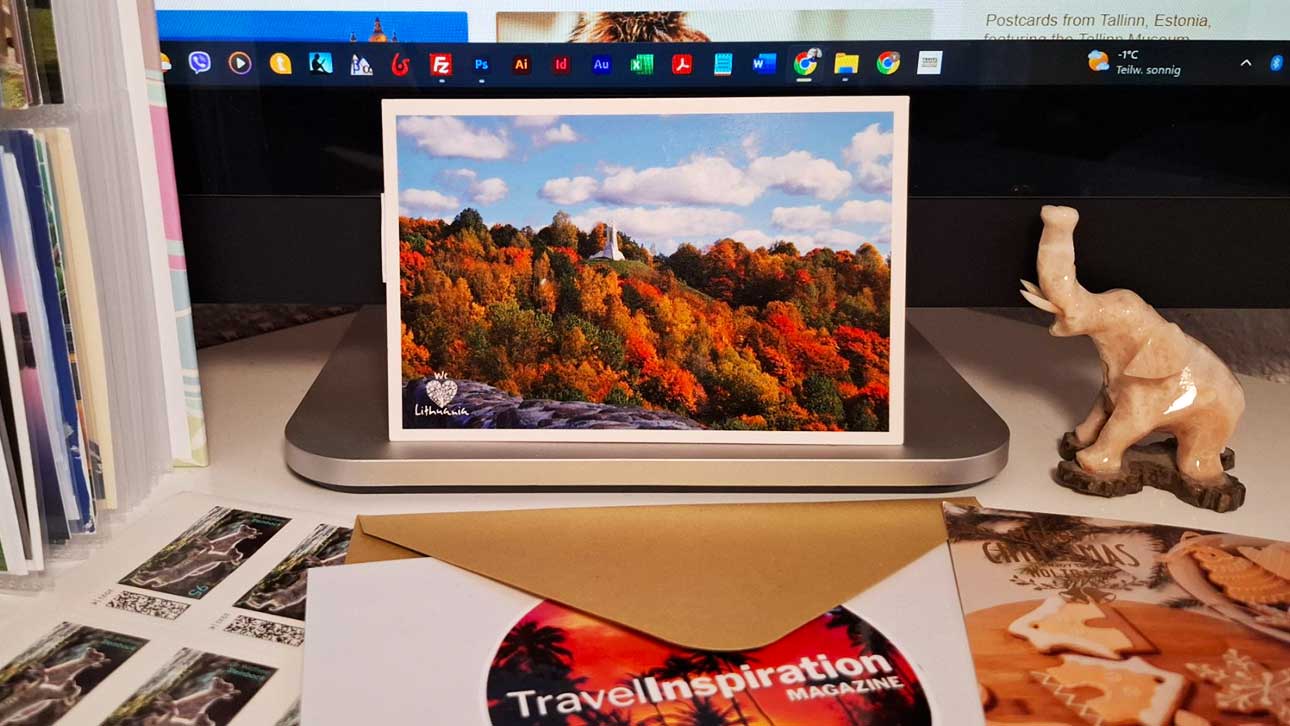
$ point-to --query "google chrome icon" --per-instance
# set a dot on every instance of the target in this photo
(806, 61)
(888, 62)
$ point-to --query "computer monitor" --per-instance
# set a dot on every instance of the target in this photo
(1166, 129)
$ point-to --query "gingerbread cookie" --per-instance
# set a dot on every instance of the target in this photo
(1247, 687)
(1057, 625)
(1187, 718)
(1129, 693)
(1241, 579)
(1274, 558)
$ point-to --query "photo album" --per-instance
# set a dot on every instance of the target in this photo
(646, 270)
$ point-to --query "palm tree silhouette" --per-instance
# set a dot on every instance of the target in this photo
(531, 656)
(658, 719)
(539, 647)
(708, 661)
(703, 712)
(613, 718)
(868, 641)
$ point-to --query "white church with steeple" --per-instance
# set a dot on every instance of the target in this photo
(611, 251)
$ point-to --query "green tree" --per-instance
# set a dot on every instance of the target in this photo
(469, 221)
(562, 232)
(687, 264)
(505, 235)
(820, 396)
(737, 386)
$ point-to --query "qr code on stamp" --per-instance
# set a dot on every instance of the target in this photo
(292, 635)
(157, 607)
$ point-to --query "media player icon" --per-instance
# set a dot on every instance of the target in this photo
(239, 62)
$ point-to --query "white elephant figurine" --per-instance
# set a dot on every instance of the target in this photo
(1156, 378)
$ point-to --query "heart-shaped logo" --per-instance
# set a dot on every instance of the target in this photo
(441, 391)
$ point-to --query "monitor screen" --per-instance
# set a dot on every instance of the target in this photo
(1113, 106)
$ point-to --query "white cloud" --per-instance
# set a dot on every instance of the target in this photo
(566, 190)
(883, 236)
(875, 177)
(535, 122)
(666, 227)
(757, 238)
(562, 134)
(701, 180)
(861, 212)
(801, 218)
(448, 136)
(751, 144)
(798, 172)
(870, 151)
(870, 144)
(482, 191)
(753, 238)
(427, 200)
(838, 239)
(816, 217)
(489, 191)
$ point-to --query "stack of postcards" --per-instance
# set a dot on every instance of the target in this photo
(98, 382)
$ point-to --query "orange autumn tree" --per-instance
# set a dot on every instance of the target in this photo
(732, 337)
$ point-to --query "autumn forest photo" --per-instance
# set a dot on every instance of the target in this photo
(717, 272)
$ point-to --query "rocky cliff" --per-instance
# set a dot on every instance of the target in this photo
(479, 406)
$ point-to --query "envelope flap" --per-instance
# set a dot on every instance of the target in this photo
(709, 577)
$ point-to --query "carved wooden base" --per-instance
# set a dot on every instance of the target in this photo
(1151, 465)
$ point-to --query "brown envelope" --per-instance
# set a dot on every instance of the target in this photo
(707, 577)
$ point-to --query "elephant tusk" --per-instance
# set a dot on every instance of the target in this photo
(1041, 302)
(1032, 287)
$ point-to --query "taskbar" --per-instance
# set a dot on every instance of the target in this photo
(874, 65)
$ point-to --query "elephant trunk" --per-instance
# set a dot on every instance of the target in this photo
(1056, 261)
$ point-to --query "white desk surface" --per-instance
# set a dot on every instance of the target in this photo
(1040, 385)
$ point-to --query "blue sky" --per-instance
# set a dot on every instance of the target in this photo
(818, 179)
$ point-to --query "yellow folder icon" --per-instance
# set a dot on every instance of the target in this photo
(280, 63)
(846, 63)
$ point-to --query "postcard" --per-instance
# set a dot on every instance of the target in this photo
(57, 503)
(17, 444)
(207, 553)
(1075, 620)
(282, 591)
(52, 676)
(194, 688)
(84, 315)
(646, 270)
(15, 89)
(13, 530)
(60, 332)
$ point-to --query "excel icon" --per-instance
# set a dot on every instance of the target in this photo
(642, 64)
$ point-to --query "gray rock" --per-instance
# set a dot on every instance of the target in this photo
(486, 407)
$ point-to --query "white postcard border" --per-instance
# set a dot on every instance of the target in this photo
(898, 106)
